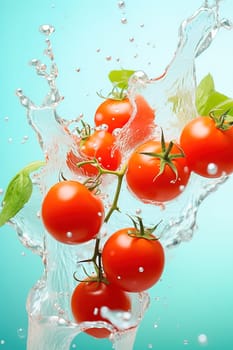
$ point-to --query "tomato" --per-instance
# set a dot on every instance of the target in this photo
(141, 126)
(100, 145)
(132, 263)
(117, 113)
(88, 298)
(209, 149)
(114, 113)
(145, 179)
(71, 213)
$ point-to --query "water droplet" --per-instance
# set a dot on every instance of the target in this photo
(69, 234)
(116, 132)
(118, 277)
(74, 346)
(138, 211)
(99, 213)
(212, 169)
(142, 25)
(108, 58)
(121, 4)
(6, 119)
(23, 254)
(185, 342)
(150, 346)
(10, 139)
(2, 342)
(1, 191)
(141, 269)
(131, 39)
(46, 29)
(181, 188)
(77, 70)
(95, 311)
(155, 325)
(124, 20)
(202, 339)
(25, 138)
(98, 49)
(21, 333)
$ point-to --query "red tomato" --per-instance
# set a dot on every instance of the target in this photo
(88, 298)
(139, 127)
(209, 150)
(71, 213)
(132, 263)
(143, 174)
(113, 113)
(100, 145)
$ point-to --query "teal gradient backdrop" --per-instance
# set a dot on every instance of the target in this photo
(195, 294)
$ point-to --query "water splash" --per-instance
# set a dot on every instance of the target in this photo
(51, 323)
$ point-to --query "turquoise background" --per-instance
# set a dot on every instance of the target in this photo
(195, 294)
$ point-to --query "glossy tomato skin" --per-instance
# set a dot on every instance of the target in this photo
(71, 213)
(88, 298)
(140, 127)
(100, 145)
(143, 179)
(209, 150)
(113, 113)
(132, 263)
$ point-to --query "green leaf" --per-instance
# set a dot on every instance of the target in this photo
(120, 77)
(18, 192)
(207, 98)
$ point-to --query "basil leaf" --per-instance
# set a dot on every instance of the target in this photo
(18, 192)
(120, 77)
(207, 98)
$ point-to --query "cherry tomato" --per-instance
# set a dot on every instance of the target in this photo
(116, 113)
(145, 179)
(90, 296)
(100, 145)
(113, 113)
(141, 126)
(132, 263)
(209, 149)
(71, 213)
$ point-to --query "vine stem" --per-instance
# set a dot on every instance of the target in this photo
(96, 258)
(114, 206)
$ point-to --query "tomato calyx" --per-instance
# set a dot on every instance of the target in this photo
(115, 94)
(119, 79)
(141, 231)
(166, 157)
(224, 121)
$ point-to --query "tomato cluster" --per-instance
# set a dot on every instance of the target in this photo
(132, 259)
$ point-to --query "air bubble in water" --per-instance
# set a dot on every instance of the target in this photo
(2, 342)
(202, 339)
(212, 169)
(1, 191)
(141, 269)
(185, 342)
(47, 29)
(124, 20)
(6, 119)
